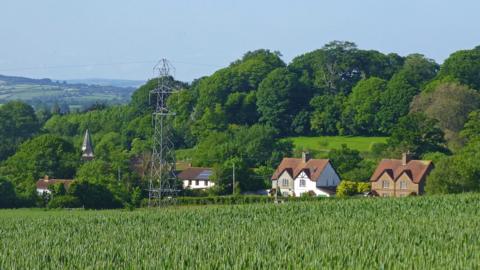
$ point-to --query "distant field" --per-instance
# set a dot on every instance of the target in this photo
(429, 232)
(327, 143)
(49, 92)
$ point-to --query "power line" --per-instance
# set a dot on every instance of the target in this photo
(105, 64)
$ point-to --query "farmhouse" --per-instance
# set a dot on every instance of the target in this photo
(295, 176)
(196, 178)
(400, 177)
(44, 183)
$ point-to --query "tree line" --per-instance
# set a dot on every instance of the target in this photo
(241, 115)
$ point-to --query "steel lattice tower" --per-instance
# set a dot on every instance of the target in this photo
(163, 180)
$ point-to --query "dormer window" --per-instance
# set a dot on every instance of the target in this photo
(403, 185)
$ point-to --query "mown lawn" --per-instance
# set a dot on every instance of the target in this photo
(436, 232)
(327, 143)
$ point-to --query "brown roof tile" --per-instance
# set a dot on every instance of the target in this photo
(195, 173)
(294, 166)
(44, 183)
(415, 169)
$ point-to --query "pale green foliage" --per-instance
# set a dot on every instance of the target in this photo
(349, 188)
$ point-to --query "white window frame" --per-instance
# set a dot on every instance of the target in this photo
(285, 182)
(403, 184)
(303, 183)
(385, 184)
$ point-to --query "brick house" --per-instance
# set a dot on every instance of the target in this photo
(400, 177)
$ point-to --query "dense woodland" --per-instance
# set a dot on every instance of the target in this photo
(242, 113)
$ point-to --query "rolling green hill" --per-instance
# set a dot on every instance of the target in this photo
(327, 143)
(47, 92)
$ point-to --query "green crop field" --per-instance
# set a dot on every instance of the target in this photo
(438, 232)
(327, 143)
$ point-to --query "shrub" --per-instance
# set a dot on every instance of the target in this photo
(7, 194)
(64, 201)
(363, 187)
(94, 196)
(346, 188)
(349, 188)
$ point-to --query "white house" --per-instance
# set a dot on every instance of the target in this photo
(196, 178)
(295, 176)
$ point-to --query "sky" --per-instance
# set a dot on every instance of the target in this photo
(123, 39)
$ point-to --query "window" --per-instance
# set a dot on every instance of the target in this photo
(206, 183)
(189, 182)
(385, 184)
(285, 193)
(403, 185)
(385, 194)
(303, 183)
(197, 183)
(285, 182)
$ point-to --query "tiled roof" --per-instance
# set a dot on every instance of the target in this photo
(44, 183)
(294, 166)
(415, 169)
(195, 173)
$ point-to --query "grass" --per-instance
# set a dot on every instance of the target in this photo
(437, 232)
(48, 93)
(327, 143)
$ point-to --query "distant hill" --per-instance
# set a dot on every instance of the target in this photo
(108, 82)
(77, 95)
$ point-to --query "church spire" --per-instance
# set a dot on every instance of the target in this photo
(87, 149)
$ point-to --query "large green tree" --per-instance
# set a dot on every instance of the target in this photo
(361, 107)
(279, 99)
(464, 66)
(18, 123)
(417, 134)
(326, 115)
(402, 88)
(458, 173)
(43, 155)
(450, 104)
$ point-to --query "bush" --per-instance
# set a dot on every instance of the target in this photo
(7, 194)
(349, 188)
(94, 196)
(346, 188)
(64, 201)
(363, 187)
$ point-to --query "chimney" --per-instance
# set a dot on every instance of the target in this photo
(305, 157)
(405, 158)
(46, 178)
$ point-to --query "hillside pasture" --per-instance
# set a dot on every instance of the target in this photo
(323, 144)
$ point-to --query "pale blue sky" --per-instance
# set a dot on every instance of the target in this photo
(122, 38)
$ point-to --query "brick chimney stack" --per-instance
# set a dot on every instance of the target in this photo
(305, 157)
(405, 158)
